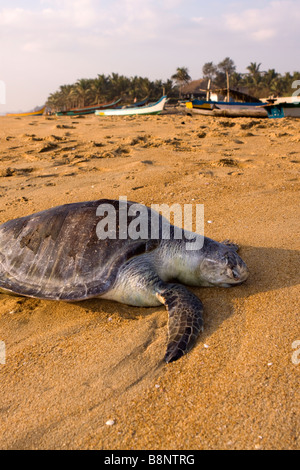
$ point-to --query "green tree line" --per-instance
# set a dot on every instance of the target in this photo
(259, 83)
(89, 91)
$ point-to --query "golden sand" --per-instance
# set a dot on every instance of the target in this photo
(70, 368)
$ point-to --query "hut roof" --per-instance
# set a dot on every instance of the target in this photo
(196, 86)
(200, 86)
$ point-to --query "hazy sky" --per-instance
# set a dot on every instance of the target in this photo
(48, 43)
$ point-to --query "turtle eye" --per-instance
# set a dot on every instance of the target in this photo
(230, 259)
(235, 273)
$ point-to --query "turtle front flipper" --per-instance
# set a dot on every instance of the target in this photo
(233, 246)
(185, 319)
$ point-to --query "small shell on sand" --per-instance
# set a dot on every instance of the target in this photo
(110, 422)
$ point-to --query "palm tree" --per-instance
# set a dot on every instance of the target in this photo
(225, 69)
(83, 90)
(254, 72)
(209, 70)
(254, 68)
(54, 101)
(181, 77)
(99, 89)
(227, 66)
(119, 85)
(168, 86)
(277, 86)
(139, 88)
(269, 76)
(235, 79)
(68, 97)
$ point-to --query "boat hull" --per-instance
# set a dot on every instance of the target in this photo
(87, 109)
(278, 111)
(39, 112)
(155, 108)
(226, 109)
(254, 113)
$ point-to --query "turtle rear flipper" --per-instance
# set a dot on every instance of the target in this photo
(185, 319)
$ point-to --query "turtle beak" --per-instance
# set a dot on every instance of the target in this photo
(236, 269)
(240, 273)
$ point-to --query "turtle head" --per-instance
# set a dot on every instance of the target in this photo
(220, 265)
(214, 264)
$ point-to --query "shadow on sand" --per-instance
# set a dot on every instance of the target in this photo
(270, 269)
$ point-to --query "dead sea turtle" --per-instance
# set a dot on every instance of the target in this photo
(58, 254)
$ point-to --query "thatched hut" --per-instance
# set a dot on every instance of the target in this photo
(204, 89)
(198, 89)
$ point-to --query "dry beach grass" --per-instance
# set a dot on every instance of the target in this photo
(72, 367)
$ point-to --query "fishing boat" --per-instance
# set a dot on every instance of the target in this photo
(227, 109)
(281, 110)
(39, 112)
(87, 109)
(154, 108)
(134, 105)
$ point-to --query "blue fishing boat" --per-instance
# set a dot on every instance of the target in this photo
(281, 110)
(227, 108)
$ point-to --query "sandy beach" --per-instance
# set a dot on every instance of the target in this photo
(71, 367)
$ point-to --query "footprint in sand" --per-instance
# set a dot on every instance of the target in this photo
(17, 306)
(97, 144)
(234, 173)
(118, 152)
(249, 125)
(121, 151)
(53, 137)
(64, 126)
(107, 155)
(16, 171)
(201, 135)
(33, 137)
(238, 163)
(203, 174)
(144, 140)
(47, 175)
(227, 162)
(247, 134)
(47, 147)
(227, 123)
